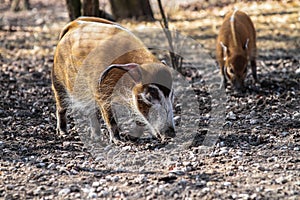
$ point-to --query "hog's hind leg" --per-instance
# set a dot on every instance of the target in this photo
(61, 108)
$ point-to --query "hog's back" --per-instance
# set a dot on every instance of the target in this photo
(244, 29)
(87, 47)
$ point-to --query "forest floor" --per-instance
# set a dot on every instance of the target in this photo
(256, 154)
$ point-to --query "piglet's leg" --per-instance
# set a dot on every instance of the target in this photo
(253, 68)
(224, 80)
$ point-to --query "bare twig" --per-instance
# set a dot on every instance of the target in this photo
(175, 58)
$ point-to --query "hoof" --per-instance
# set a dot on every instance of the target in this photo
(117, 142)
(61, 133)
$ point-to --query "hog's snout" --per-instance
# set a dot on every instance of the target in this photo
(170, 132)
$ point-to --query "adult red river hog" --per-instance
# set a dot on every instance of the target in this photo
(236, 45)
(98, 61)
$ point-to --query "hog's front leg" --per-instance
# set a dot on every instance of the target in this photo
(112, 126)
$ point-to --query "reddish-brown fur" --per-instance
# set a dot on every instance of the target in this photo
(236, 45)
(88, 51)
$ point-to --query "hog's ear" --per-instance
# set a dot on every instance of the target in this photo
(132, 69)
(224, 51)
(164, 62)
(246, 45)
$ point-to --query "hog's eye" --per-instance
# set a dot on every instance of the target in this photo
(231, 71)
(153, 92)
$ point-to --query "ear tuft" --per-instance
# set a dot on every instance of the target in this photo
(247, 42)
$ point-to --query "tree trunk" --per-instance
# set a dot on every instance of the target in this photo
(91, 8)
(17, 5)
(74, 8)
(138, 9)
(25, 5)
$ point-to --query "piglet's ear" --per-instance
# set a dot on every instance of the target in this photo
(224, 51)
(132, 69)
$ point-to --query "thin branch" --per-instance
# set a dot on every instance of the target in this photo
(176, 59)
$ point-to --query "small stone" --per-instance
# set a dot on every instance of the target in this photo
(186, 163)
(205, 190)
(177, 171)
(243, 196)
(38, 190)
(260, 168)
(210, 183)
(51, 166)
(223, 150)
(77, 196)
(102, 181)
(96, 184)
(40, 165)
(182, 182)
(296, 115)
(126, 148)
(9, 187)
(227, 184)
(103, 193)
(176, 119)
(88, 190)
(69, 165)
(73, 171)
(64, 191)
(222, 144)
(115, 178)
(92, 195)
(75, 188)
(277, 166)
(252, 113)
(253, 196)
(272, 159)
(231, 116)
(281, 180)
(285, 133)
(253, 121)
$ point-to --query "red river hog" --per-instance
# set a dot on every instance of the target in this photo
(100, 61)
(236, 45)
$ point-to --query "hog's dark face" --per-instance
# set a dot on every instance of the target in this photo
(236, 71)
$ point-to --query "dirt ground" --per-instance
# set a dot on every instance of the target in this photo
(256, 154)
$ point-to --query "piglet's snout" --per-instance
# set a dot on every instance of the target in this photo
(239, 85)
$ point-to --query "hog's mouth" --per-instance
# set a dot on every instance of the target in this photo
(139, 123)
